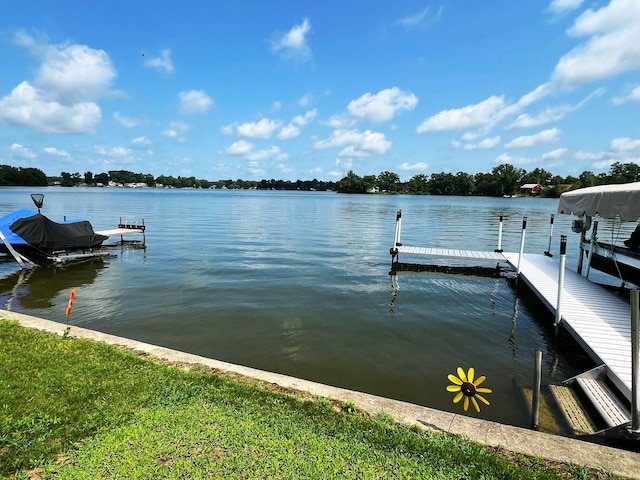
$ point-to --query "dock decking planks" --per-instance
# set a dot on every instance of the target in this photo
(454, 253)
(598, 319)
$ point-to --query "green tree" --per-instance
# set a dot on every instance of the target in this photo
(537, 175)
(624, 173)
(389, 181)
(418, 184)
(352, 183)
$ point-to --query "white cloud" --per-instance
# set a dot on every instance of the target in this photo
(75, 73)
(357, 144)
(471, 116)
(293, 44)
(141, 141)
(56, 152)
(162, 62)
(632, 96)
(421, 20)
(306, 100)
(126, 122)
(266, 154)
(20, 151)
(382, 106)
(540, 138)
(551, 114)
(240, 148)
(553, 154)
(420, 166)
(624, 145)
(29, 107)
(228, 130)
(61, 98)
(113, 152)
(303, 120)
(288, 132)
(261, 129)
(563, 6)
(176, 130)
(484, 144)
(194, 102)
(612, 46)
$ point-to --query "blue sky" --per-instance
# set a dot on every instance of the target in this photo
(300, 90)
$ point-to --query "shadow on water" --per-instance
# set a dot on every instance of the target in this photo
(36, 288)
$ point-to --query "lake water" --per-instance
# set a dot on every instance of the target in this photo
(298, 283)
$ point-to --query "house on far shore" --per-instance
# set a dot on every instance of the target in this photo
(531, 189)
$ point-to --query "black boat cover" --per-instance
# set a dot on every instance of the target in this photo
(47, 235)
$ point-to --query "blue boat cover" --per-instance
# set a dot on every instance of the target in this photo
(7, 221)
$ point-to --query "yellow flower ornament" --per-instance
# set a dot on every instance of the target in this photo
(466, 387)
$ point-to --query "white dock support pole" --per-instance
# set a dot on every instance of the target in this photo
(396, 239)
(548, 252)
(524, 231)
(563, 261)
(635, 365)
(537, 376)
(499, 249)
(592, 245)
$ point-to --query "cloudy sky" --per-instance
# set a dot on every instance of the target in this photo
(299, 90)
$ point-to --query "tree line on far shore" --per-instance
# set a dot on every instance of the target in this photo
(504, 179)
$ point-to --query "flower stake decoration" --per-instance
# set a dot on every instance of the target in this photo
(466, 387)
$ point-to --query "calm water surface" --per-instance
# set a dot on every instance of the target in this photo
(298, 283)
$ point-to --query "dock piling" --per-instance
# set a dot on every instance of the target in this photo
(563, 260)
(524, 231)
(537, 376)
(499, 249)
(548, 251)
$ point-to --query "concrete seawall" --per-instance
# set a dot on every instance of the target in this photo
(519, 440)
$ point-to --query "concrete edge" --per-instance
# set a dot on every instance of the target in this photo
(515, 439)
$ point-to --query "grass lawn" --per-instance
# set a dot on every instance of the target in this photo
(72, 408)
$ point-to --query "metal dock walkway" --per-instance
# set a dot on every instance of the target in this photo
(598, 319)
(452, 253)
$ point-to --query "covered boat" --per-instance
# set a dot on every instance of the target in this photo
(617, 204)
(38, 239)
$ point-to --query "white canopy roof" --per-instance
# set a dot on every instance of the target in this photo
(607, 201)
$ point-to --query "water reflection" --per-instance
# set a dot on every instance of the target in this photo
(36, 288)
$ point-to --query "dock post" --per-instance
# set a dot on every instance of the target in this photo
(396, 239)
(537, 375)
(634, 431)
(592, 244)
(524, 231)
(499, 249)
(563, 260)
(548, 252)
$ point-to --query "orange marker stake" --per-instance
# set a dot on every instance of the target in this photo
(72, 295)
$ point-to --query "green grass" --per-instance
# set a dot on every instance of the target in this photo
(71, 408)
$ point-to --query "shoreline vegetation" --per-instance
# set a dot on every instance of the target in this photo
(73, 408)
(503, 180)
